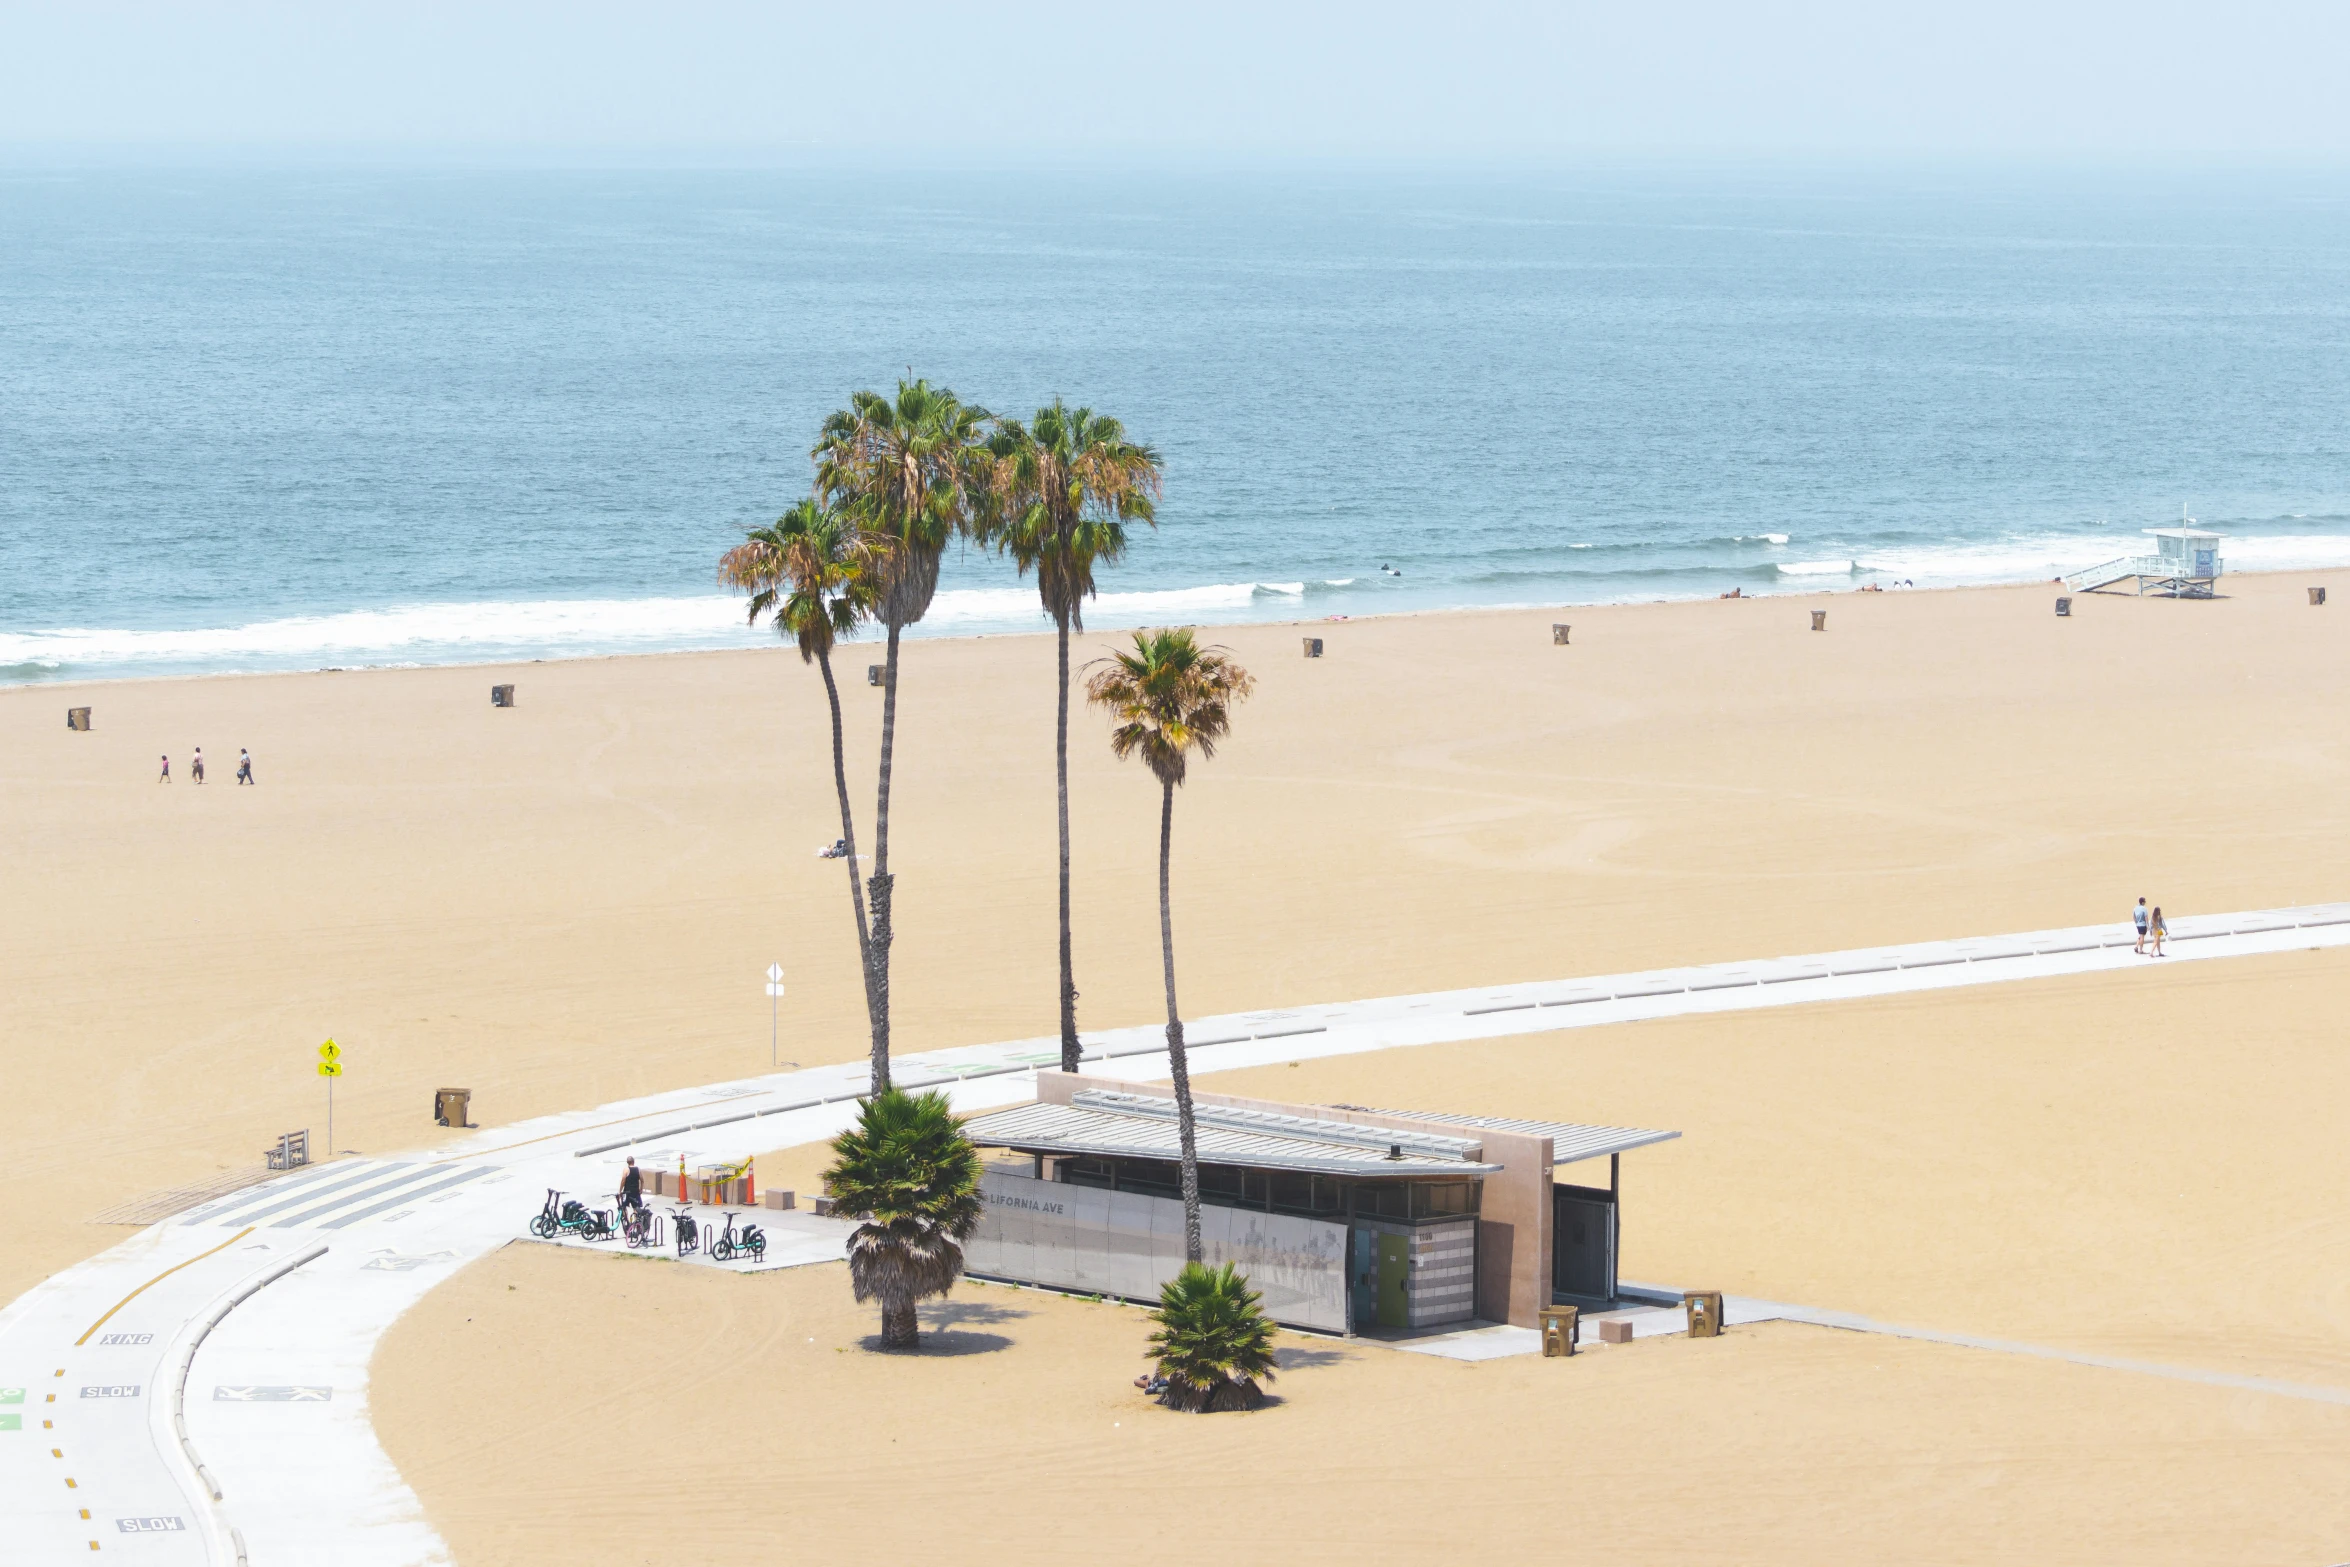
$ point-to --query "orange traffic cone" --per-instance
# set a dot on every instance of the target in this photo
(750, 1183)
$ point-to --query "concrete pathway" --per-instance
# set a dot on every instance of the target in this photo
(197, 1395)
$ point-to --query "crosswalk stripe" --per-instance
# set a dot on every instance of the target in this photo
(409, 1175)
(459, 1179)
(372, 1172)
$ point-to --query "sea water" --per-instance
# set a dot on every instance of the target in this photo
(267, 418)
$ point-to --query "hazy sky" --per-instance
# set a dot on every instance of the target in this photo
(1372, 78)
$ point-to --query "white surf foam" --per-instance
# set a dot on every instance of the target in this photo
(404, 631)
(450, 633)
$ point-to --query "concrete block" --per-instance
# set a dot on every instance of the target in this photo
(776, 1199)
(1615, 1332)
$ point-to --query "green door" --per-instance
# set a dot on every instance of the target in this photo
(1394, 1266)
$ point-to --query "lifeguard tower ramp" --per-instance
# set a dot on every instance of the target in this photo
(2185, 565)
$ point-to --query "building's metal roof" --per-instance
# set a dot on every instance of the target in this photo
(1569, 1143)
(1274, 1123)
(1071, 1129)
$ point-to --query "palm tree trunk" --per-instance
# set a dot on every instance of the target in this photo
(900, 1328)
(1175, 1058)
(880, 887)
(1069, 1054)
(848, 832)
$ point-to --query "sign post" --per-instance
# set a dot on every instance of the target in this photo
(774, 1012)
(330, 1067)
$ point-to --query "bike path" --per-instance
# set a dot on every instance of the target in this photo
(274, 1297)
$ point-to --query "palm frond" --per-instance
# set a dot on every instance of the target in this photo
(1168, 697)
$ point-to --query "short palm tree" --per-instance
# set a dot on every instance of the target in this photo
(904, 471)
(1168, 698)
(1065, 486)
(1214, 1341)
(910, 1174)
(809, 570)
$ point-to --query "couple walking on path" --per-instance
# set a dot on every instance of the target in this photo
(2150, 928)
(196, 767)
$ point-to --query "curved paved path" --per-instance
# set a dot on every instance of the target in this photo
(198, 1394)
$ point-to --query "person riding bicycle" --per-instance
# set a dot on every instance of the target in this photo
(632, 1188)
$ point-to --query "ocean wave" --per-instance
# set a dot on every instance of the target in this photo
(566, 624)
(1758, 538)
(1817, 568)
(422, 633)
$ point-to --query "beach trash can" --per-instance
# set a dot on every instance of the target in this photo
(2316, 596)
(501, 696)
(452, 1106)
(79, 717)
(2064, 609)
(872, 674)
(1705, 1313)
(1558, 633)
(1558, 1330)
(1819, 620)
(1313, 647)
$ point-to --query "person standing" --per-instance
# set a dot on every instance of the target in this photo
(244, 765)
(2139, 914)
(632, 1187)
(2157, 929)
(196, 767)
(166, 778)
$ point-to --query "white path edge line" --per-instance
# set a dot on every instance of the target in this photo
(809, 1105)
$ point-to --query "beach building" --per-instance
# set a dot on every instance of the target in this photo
(1345, 1219)
(2185, 564)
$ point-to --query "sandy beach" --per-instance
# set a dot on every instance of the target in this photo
(572, 901)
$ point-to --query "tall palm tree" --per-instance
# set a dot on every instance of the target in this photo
(910, 1174)
(904, 470)
(811, 571)
(1168, 698)
(1065, 486)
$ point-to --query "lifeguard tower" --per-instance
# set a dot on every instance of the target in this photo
(2185, 565)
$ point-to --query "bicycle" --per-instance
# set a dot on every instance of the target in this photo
(559, 1216)
(689, 1238)
(640, 1228)
(727, 1244)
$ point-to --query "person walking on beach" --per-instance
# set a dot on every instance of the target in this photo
(244, 765)
(2157, 929)
(196, 767)
(166, 778)
(2139, 914)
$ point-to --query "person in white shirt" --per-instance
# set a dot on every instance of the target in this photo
(2139, 914)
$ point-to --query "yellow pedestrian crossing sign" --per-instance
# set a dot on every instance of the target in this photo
(330, 1051)
(330, 1069)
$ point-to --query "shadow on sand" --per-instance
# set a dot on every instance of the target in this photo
(946, 1329)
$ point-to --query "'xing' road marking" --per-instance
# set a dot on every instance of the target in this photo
(158, 1279)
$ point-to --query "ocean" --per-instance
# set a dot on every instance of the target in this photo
(289, 418)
